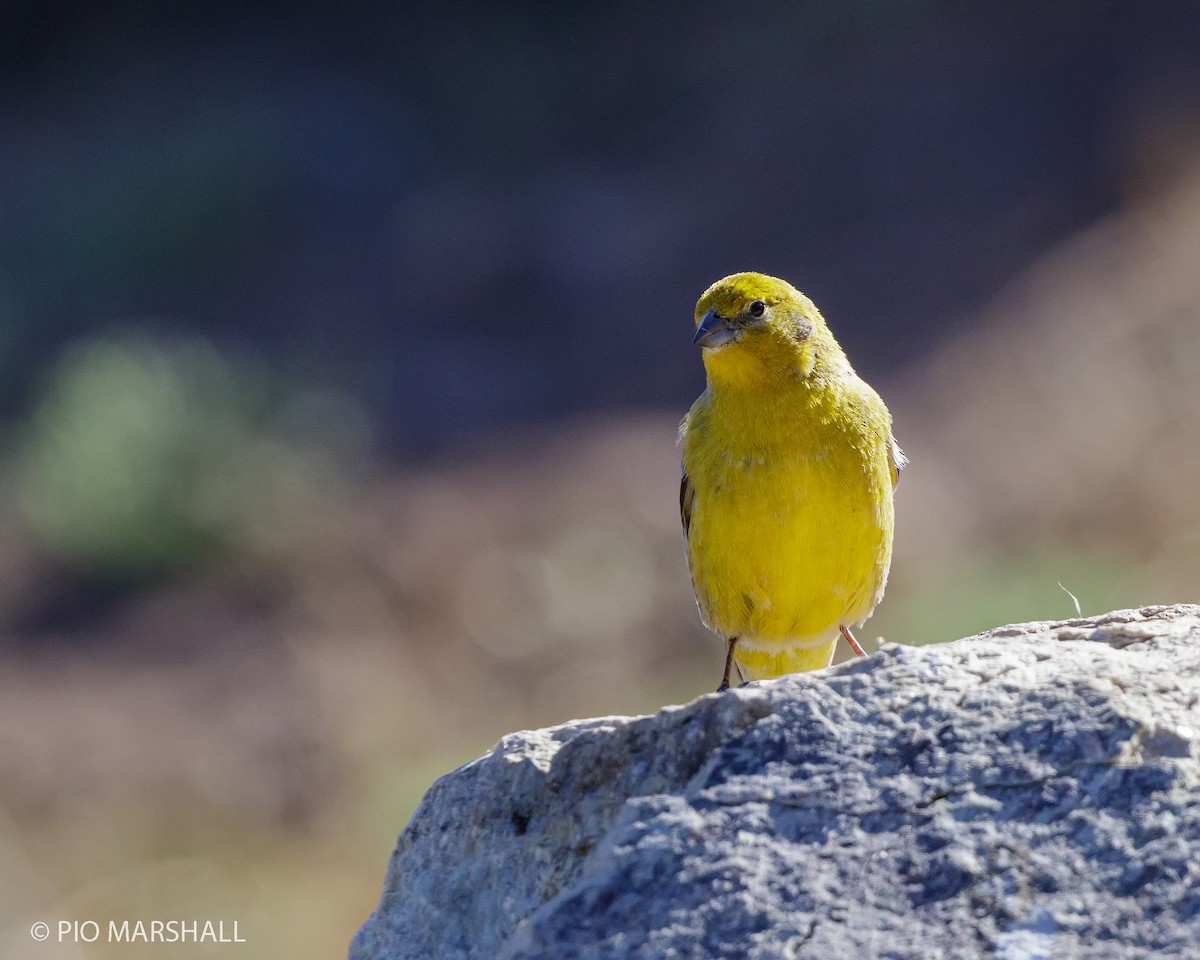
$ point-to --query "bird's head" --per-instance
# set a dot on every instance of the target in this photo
(755, 329)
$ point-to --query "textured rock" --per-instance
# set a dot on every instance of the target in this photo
(1026, 793)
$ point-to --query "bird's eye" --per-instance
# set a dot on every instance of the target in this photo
(756, 309)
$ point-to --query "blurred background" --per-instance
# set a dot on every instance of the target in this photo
(342, 351)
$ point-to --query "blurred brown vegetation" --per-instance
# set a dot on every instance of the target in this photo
(245, 741)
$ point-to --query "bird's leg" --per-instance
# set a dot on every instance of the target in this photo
(732, 642)
(854, 644)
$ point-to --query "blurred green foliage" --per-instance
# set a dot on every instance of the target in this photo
(144, 457)
(990, 588)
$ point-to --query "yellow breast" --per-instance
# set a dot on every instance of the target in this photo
(791, 518)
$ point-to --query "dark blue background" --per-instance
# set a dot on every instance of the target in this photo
(478, 214)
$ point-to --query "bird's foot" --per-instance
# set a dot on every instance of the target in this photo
(854, 644)
(731, 643)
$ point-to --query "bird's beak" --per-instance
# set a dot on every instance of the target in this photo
(714, 331)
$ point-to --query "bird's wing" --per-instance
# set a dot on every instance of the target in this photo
(687, 496)
(896, 460)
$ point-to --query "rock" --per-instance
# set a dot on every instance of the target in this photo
(1025, 793)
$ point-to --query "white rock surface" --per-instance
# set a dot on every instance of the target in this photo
(1026, 793)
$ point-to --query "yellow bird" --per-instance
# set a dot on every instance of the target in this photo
(789, 466)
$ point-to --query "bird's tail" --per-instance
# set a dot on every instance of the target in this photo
(759, 664)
